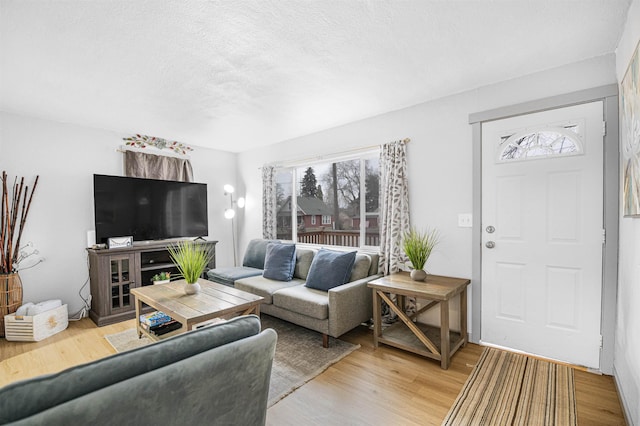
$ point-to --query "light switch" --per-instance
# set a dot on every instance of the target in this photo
(465, 220)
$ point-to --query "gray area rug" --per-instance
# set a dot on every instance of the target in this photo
(299, 354)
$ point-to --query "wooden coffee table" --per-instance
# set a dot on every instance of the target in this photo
(213, 301)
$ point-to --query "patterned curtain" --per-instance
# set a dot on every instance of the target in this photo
(269, 230)
(151, 166)
(394, 205)
(394, 211)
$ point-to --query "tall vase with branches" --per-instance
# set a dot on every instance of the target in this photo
(14, 209)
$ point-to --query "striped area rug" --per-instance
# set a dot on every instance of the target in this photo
(506, 388)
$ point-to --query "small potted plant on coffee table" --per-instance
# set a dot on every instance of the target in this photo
(161, 278)
(418, 246)
(190, 258)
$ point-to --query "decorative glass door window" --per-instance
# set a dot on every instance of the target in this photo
(542, 143)
(120, 283)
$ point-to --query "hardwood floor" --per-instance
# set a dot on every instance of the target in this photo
(386, 386)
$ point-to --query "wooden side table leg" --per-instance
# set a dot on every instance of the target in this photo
(463, 318)
(377, 319)
(444, 334)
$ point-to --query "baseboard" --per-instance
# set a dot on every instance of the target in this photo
(623, 402)
(470, 339)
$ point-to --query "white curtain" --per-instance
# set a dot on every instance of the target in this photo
(394, 205)
(269, 230)
(151, 166)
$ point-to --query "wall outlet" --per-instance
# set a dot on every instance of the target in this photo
(465, 220)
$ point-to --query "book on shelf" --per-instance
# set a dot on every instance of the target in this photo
(154, 318)
(167, 327)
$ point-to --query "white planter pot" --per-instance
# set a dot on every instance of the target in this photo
(192, 288)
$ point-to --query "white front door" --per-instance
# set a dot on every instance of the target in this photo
(542, 233)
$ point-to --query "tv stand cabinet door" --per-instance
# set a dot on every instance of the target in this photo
(123, 277)
(112, 278)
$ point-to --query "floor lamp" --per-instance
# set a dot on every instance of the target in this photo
(230, 213)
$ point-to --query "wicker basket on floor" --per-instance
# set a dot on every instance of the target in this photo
(10, 296)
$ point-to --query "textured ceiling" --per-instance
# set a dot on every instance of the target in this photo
(235, 75)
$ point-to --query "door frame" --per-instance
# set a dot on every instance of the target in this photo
(611, 172)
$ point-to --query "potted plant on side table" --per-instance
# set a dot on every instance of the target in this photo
(418, 246)
(190, 258)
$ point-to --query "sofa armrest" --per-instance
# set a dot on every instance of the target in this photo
(349, 305)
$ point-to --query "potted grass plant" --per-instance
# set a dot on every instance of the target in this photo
(190, 258)
(418, 246)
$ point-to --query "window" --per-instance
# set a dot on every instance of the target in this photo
(544, 143)
(343, 192)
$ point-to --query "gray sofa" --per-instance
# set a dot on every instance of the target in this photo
(332, 312)
(252, 264)
(213, 375)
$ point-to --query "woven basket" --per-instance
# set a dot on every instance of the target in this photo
(10, 296)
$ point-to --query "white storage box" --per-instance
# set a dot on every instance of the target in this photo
(37, 327)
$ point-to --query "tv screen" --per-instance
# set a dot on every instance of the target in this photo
(148, 209)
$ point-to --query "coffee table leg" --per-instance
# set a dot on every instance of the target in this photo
(138, 308)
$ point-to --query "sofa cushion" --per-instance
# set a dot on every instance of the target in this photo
(330, 269)
(303, 300)
(279, 261)
(25, 398)
(304, 257)
(229, 275)
(255, 253)
(375, 259)
(264, 286)
(361, 267)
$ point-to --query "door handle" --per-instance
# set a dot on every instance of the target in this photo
(490, 244)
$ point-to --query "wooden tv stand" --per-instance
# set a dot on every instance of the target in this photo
(115, 272)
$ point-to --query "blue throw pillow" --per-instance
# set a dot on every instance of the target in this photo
(279, 261)
(330, 269)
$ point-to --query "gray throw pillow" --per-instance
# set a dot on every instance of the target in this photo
(280, 261)
(330, 269)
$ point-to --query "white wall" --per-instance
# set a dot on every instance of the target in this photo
(627, 340)
(66, 157)
(440, 153)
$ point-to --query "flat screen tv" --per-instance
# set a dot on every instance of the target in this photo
(148, 209)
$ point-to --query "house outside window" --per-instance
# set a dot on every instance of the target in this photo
(341, 191)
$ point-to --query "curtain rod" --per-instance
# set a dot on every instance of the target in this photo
(125, 148)
(322, 157)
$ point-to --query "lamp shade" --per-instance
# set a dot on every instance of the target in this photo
(229, 189)
(229, 213)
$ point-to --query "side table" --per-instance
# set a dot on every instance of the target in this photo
(414, 336)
